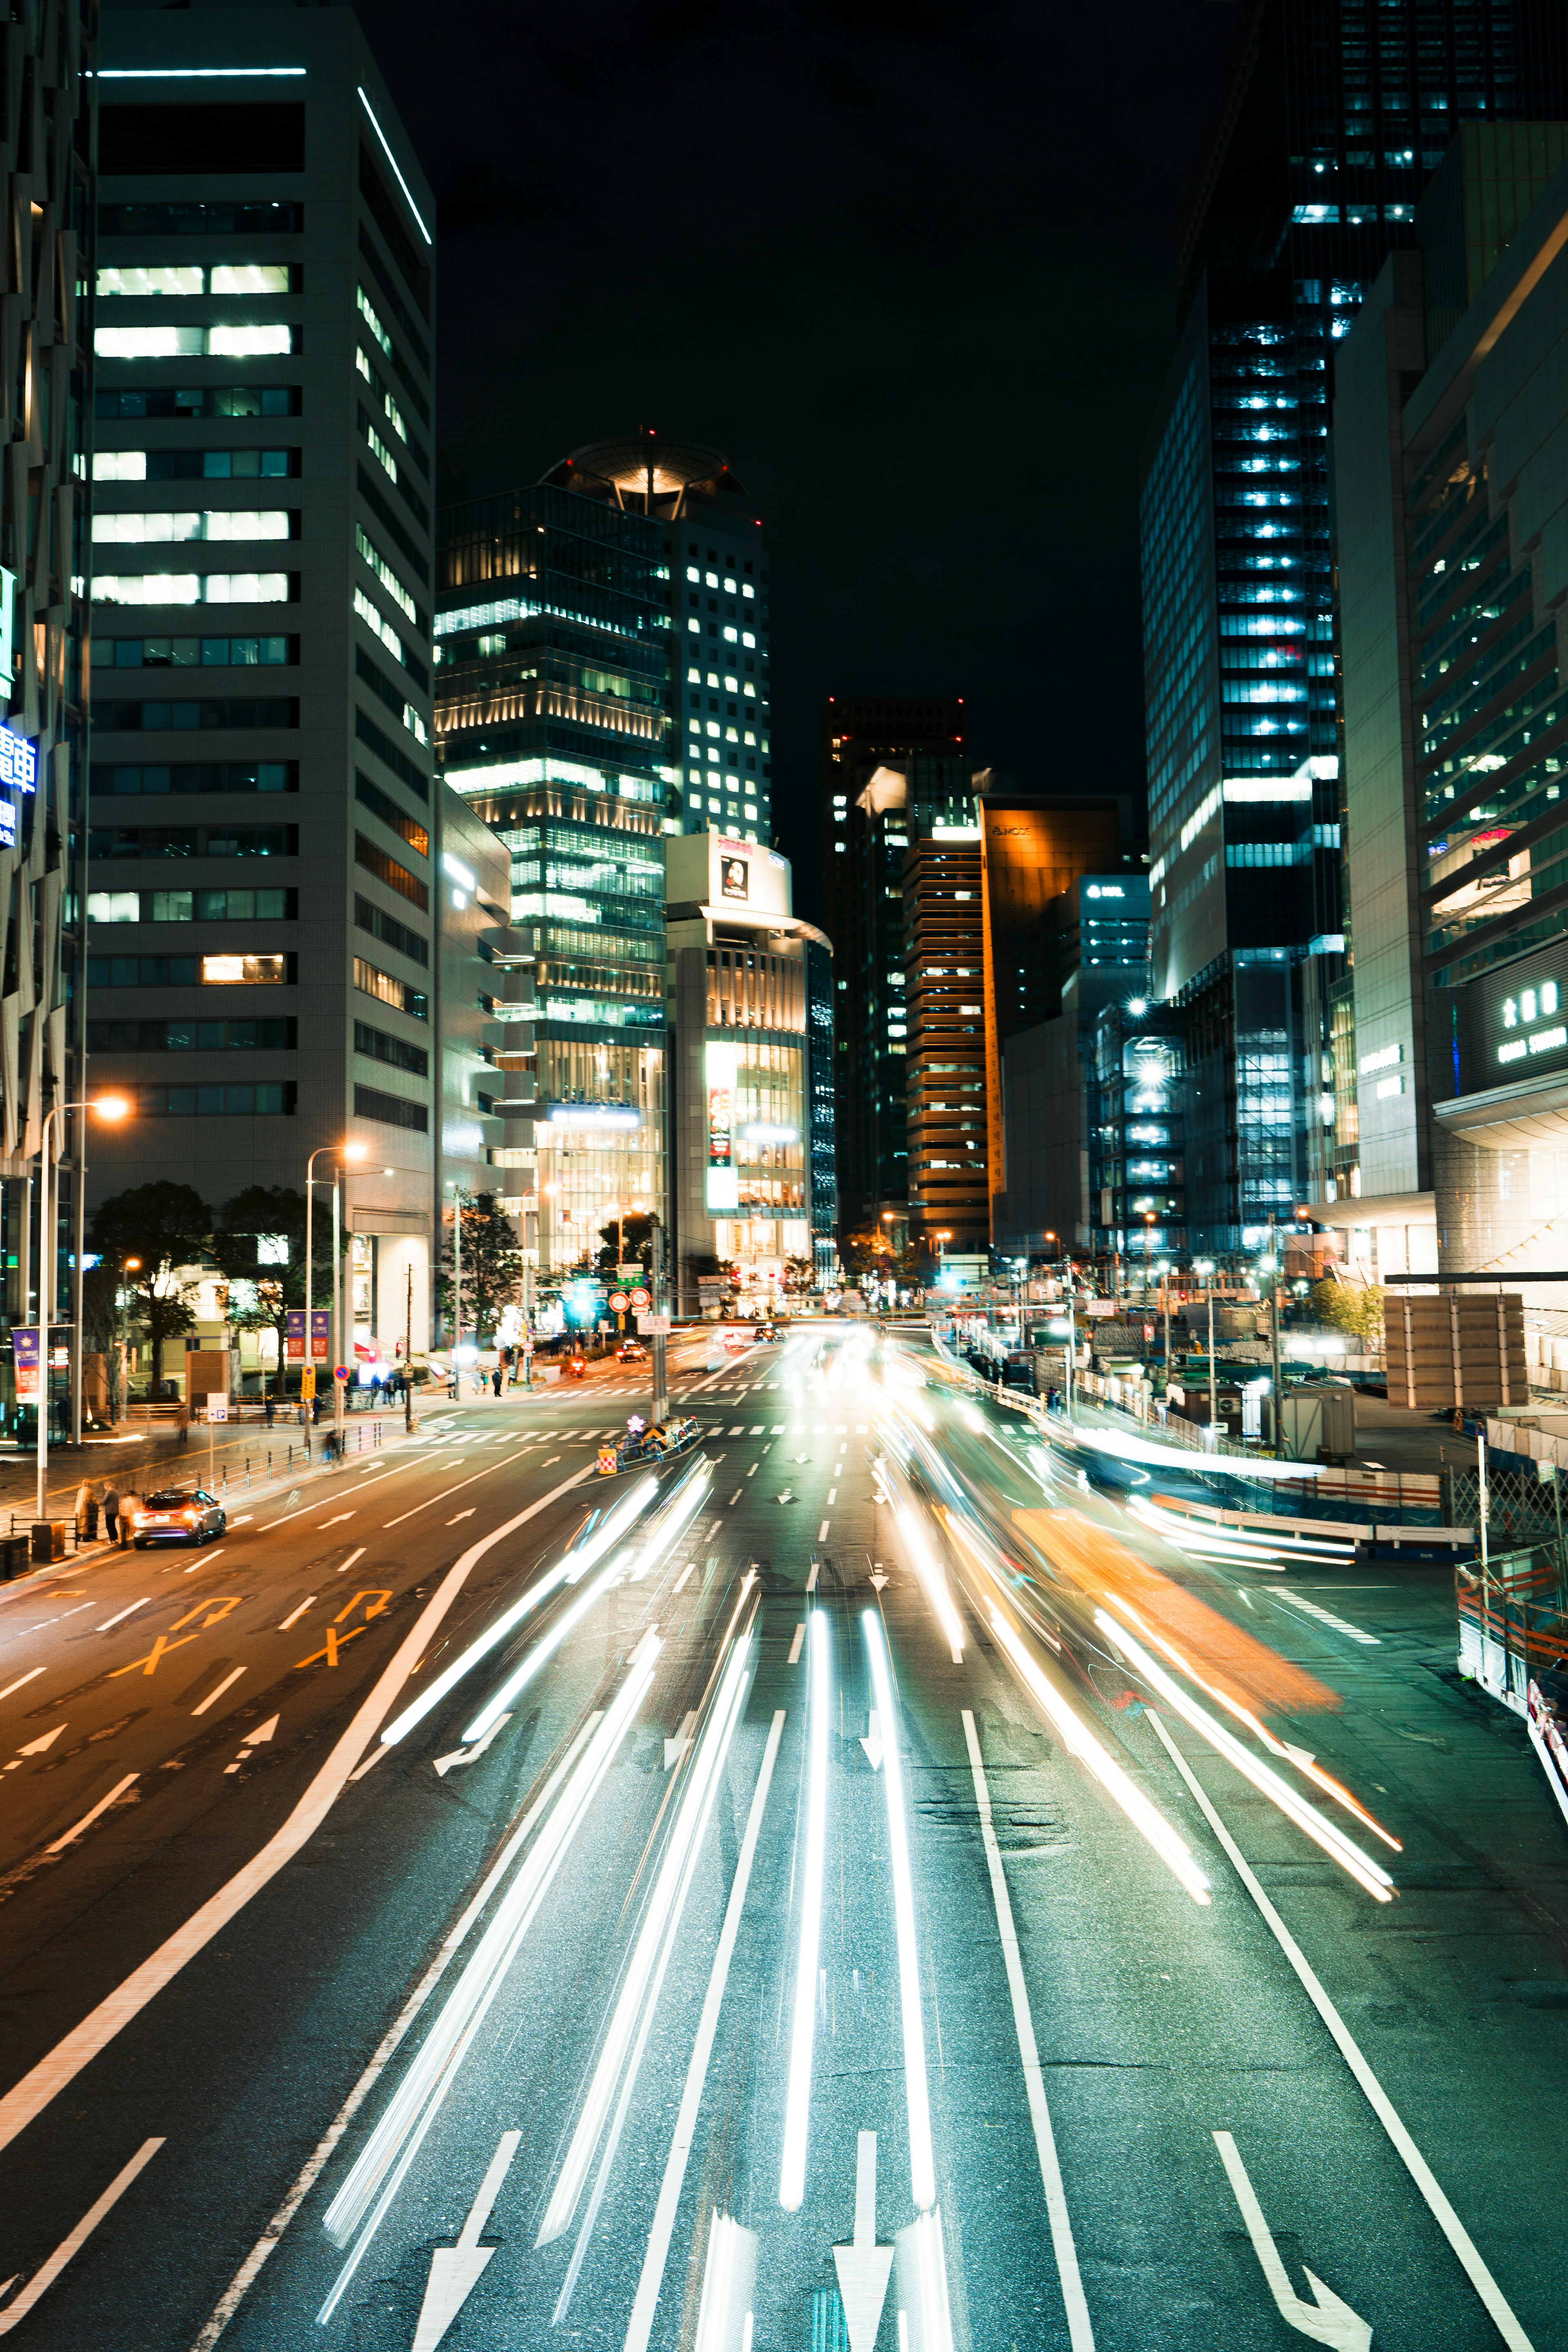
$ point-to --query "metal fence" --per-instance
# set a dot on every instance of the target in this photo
(1521, 1508)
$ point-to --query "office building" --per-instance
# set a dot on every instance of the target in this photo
(890, 766)
(750, 1058)
(1058, 1141)
(945, 991)
(1334, 120)
(46, 145)
(555, 724)
(719, 626)
(1032, 849)
(1450, 443)
(261, 582)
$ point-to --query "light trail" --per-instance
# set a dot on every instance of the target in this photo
(651, 1955)
(1324, 1832)
(798, 2106)
(1251, 1550)
(933, 1583)
(1080, 1742)
(566, 1571)
(501, 1699)
(1252, 1466)
(916, 2091)
(396, 2141)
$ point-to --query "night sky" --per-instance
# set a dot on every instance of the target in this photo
(910, 265)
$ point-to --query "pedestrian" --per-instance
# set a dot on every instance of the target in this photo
(110, 1510)
(271, 1407)
(182, 1418)
(496, 1380)
(127, 1510)
(87, 1512)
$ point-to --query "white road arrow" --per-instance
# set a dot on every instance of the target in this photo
(444, 1764)
(37, 1746)
(454, 2271)
(863, 2267)
(676, 1748)
(263, 1731)
(461, 1515)
(1328, 2320)
(872, 1743)
(786, 1497)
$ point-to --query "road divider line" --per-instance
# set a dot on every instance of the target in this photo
(504, 1464)
(44, 2277)
(822, 1532)
(87, 1819)
(1081, 2332)
(294, 1614)
(797, 2104)
(60, 2066)
(1497, 2304)
(30, 1677)
(109, 1622)
(795, 1645)
(213, 1696)
(646, 2301)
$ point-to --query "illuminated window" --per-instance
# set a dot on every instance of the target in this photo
(190, 588)
(218, 522)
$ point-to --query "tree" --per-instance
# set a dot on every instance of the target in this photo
(492, 1263)
(259, 1242)
(638, 1233)
(165, 1227)
(1354, 1308)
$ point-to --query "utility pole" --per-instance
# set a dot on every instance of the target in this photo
(337, 1309)
(457, 1288)
(1274, 1327)
(409, 1422)
(528, 1321)
(661, 1380)
(1213, 1407)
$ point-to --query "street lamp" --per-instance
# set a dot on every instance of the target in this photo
(346, 1152)
(113, 1107)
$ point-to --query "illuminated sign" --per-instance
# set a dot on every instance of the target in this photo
(723, 1184)
(734, 878)
(1519, 1011)
(25, 1356)
(18, 761)
(771, 1135)
(593, 1115)
(7, 824)
(1385, 1059)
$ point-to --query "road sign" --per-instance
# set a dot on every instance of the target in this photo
(640, 1298)
(618, 1302)
(341, 1373)
(653, 1327)
(308, 1383)
(217, 1404)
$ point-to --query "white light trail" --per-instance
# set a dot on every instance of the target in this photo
(1080, 1742)
(1324, 1832)
(933, 1583)
(689, 1499)
(798, 2106)
(917, 2096)
(651, 1954)
(566, 1624)
(566, 1571)
(1253, 1549)
(393, 2145)
(1252, 1466)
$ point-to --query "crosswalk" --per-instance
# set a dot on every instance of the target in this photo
(720, 1429)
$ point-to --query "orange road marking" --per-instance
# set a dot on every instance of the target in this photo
(148, 1664)
(333, 1645)
(220, 1610)
(379, 1594)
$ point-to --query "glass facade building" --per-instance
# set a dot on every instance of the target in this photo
(1336, 116)
(553, 631)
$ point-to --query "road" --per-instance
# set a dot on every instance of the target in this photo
(829, 1919)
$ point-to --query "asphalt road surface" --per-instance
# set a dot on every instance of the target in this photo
(869, 1886)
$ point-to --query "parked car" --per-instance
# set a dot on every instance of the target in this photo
(186, 1515)
(631, 1351)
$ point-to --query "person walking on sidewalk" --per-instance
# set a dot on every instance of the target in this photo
(87, 1512)
(127, 1506)
(112, 1511)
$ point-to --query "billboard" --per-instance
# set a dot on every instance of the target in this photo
(720, 1064)
(734, 876)
(25, 1355)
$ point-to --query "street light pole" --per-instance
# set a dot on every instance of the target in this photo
(1274, 1327)
(109, 1107)
(346, 1152)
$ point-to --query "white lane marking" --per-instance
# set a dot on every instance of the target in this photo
(1328, 2319)
(444, 1764)
(734, 1497)
(372, 1760)
(31, 1675)
(832, 1493)
(1081, 2332)
(461, 1515)
(87, 1819)
(456, 2271)
(795, 1645)
(354, 1556)
(1326, 1617)
(863, 2266)
(212, 1696)
(811, 1579)
(109, 1622)
(294, 1614)
(822, 1532)
(451, 1490)
(336, 1520)
(45, 2274)
(245, 2277)
(66, 2061)
(646, 2302)
(1383, 2107)
(682, 1578)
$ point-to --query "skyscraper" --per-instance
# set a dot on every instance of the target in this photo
(890, 766)
(46, 150)
(719, 624)
(1336, 116)
(553, 710)
(264, 900)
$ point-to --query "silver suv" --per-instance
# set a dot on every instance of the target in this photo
(187, 1515)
